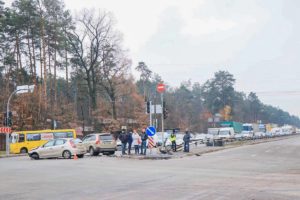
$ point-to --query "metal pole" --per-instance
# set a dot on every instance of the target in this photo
(7, 116)
(150, 114)
(162, 115)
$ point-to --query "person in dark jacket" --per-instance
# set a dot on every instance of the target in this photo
(124, 139)
(186, 140)
(144, 138)
(130, 140)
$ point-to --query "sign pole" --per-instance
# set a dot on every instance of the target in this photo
(150, 114)
(162, 116)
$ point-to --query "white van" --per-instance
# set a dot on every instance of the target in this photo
(226, 133)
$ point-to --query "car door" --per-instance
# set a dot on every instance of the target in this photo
(47, 149)
(59, 147)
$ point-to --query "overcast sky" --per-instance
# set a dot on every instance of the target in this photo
(255, 40)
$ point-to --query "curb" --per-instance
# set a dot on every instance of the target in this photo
(12, 155)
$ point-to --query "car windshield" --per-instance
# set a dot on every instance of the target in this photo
(247, 128)
(76, 141)
(106, 137)
(224, 133)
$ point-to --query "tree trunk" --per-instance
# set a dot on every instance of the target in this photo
(67, 71)
(29, 51)
(114, 108)
(54, 72)
(18, 51)
(34, 61)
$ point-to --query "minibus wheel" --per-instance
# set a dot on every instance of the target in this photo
(23, 150)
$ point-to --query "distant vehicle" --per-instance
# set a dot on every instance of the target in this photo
(287, 130)
(97, 143)
(237, 127)
(239, 136)
(213, 131)
(226, 133)
(276, 132)
(247, 132)
(57, 148)
(259, 135)
(24, 141)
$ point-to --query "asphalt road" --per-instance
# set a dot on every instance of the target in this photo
(263, 171)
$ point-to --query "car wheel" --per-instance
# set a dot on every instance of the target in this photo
(23, 150)
(80, 155)
(93, 152)
(111, 153)
(35, 156)
(66, 154)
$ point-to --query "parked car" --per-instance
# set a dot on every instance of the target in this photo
(97, 143)
(258, 135)
(239, 136)
(57, 148)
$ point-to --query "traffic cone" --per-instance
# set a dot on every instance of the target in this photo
(75, 157)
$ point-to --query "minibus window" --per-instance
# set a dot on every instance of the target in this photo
(21, 138)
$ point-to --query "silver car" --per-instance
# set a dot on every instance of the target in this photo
(97, 143)
(57, 148)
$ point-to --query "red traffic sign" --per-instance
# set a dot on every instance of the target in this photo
(5, 129)
(161, 88)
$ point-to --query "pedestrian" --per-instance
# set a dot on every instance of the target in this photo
(136, 141)
(144, 138)
(124, 139)
(173, 140)
(186, 140)
(130, 140)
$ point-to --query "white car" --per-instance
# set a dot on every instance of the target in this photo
(238, 136)
(57, 148)
(258, 135)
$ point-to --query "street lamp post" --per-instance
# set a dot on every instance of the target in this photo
(21, 89)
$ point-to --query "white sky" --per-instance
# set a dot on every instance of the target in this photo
(257, 41)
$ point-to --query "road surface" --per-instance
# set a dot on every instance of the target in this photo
(263, 171)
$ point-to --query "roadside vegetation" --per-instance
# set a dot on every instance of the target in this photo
(82, 75)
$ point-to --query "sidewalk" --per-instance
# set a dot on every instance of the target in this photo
(155, 154)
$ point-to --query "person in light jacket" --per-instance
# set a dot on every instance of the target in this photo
(136, 141)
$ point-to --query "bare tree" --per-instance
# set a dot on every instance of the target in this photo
(113, 73)
(88, 46)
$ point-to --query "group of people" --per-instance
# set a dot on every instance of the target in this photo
(186, 141)
(133, 138)
(139, 141)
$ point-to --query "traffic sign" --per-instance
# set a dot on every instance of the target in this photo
(151, 131)
(161, 87)
(5, 129)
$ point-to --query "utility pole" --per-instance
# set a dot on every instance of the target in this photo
(20, 89)
(162, 116)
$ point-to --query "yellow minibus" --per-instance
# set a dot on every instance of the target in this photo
(24, 141)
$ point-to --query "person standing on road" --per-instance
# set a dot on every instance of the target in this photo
(124, 139)
(136, 140)
(186, 140)
(173, 140)
(130, 140)
(144, 138)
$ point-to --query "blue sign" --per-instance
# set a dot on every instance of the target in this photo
(151, 131)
